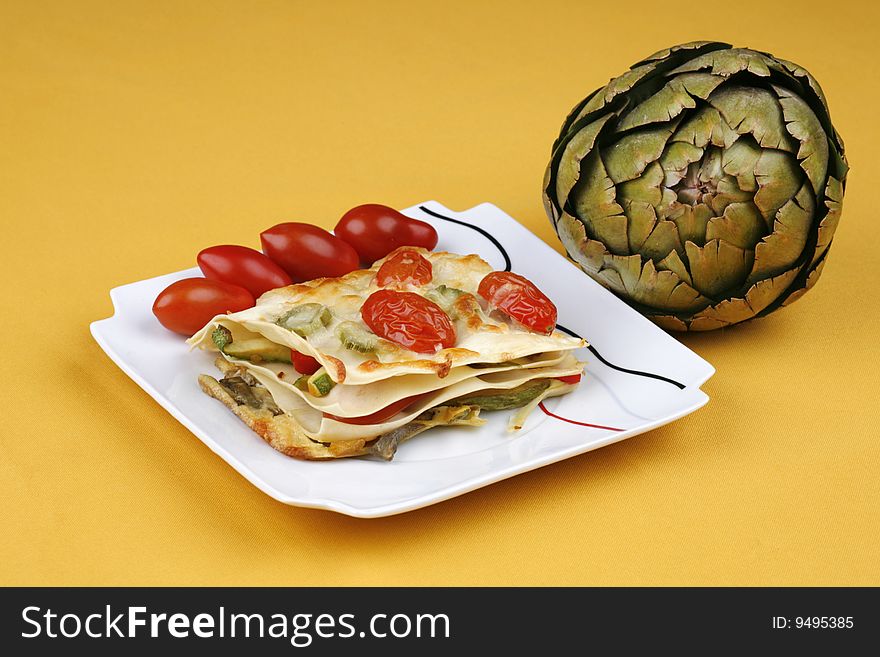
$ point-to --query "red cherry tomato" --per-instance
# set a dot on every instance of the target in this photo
(519, 298)
(376, 230)
(405, 267)
(381, 415)
(242, 266)
(303, 363)
(187, 305)
(571, 379)
(307, 252)
(408, 319)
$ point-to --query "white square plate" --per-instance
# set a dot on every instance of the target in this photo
(444, 462)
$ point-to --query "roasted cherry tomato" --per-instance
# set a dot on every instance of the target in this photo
(405, 266)
(307, 252)
(376, 230)
(519, 298)
(303, 363)
(383, 414)
(571, 379)
(242, 266)
(409, 320)
(187, 305)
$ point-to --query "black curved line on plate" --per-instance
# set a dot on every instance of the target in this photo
(648, 375)
(476, 228)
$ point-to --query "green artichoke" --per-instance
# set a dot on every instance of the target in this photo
(703, 186)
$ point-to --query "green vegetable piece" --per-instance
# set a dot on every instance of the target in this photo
(258, 350)
(221, 336)
(485, 366)
(355, 337)
(444, 296)
(302, 383)
(320, 383)
(305, 319)
(501, 400)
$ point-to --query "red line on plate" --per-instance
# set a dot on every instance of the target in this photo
(583, 424)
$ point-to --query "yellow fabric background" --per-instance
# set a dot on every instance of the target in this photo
(133, 134)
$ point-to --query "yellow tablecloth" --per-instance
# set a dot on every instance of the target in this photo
(133, 134)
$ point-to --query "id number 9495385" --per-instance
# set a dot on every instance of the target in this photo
(814, 622)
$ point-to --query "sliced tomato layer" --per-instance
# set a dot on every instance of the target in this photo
(303, 363)
(408, 319)
(405, 267)
(520, 299)
(383, 414)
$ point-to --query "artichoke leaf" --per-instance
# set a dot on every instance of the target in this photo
(668, 322)
(811, 281)
(574, 115)
(834, 203)
(779, 179)
(681, 298)
(803, 125)
(749, 110)
(647, 188)
(676, 158)
(728, 62)
(691, 222)
(587, 253)
(578, 147)
(741, 225)
(704, 127)
(727, 192)
(813, 84)
(617, 86)
(766, 291)
(674, 263)
(725, 313)
(671, 100)
(594, 201)
(662, 240)
(666, 53)
(668, 203)
(628, 158)
(644, 284)
(718, 266)
(838, 165)
(710, 167)
(781, 249)
(732, 311)
(740, 161)
(642, 219)
(550, 206)
(612, 232)
(706, 324)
